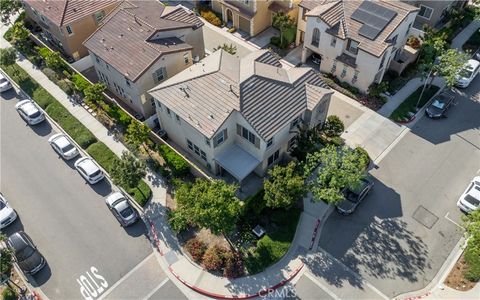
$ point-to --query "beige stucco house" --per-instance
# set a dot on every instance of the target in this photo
(240, 116)
(434, 13)
(67, 23)
(142, 43)
(356, 40)
(252, 16)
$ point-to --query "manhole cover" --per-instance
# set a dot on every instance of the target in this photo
(425, 217)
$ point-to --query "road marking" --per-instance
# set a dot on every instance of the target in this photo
(446, 217)
(92, 284)
(156, 288)
(126, 276)
(321, 285)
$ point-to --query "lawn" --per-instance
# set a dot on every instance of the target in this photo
(408, 105)
(473, 43)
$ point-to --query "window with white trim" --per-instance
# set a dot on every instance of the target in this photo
(273, 158)
(169, 112)
(352, 47)
(177, 117)
(207, 142)
(295, 122)
(160, 74)
(316, 37)
(425, 12)
(69, 29)
(269, 142)
(333, 42)
(219, 138)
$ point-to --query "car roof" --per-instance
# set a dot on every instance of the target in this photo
(61, 141)
(88, 165)
(472, 63)
(29, 108)
(114, 197)
(475, 192)
(17, 241)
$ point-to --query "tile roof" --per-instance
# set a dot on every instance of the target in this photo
(267, 95)
(337, 14)
(64, 12)
(124, 40)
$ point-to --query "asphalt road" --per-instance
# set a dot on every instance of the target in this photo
(66, 217)
(401, 235)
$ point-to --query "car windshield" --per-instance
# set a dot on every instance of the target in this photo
(438, 104)
(126, 212)
(35, 114)
(95, 174)
(2, 80)
(24, 253)
(2, 205)
(67, 148)
(472, 200)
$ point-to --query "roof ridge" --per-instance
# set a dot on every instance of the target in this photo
(63, 13)
(137, 19)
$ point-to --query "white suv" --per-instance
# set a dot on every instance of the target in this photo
(470, 199)
(7, 214)
(30, 112)
(89, 170)
(5, 85)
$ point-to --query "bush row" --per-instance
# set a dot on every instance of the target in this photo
(175, 162)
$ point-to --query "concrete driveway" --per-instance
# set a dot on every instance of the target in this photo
(401, 235)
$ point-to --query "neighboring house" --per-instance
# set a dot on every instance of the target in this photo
(434, 13)
(240, 115)
(142, 43)
(252, 16)
(356, 40)
(67, 23)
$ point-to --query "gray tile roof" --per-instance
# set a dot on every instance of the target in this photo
(268, 96)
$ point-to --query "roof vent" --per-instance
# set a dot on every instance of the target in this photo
(184, 89)
(126, 74)
(121, 35)
(211, 117)
(74, 10)
(189, 116)
(198, 124)
(102, 40)
(129, 28)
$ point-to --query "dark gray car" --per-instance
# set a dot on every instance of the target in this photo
(25, 253)
(354, 197)
(439, 105)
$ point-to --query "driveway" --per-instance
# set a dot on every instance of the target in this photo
(398, 239)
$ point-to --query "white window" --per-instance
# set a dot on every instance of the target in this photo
(160, 74)
(333, 42)
(352, 47)
(196, 149)
(425, 12)
(203, 155)
(177, 118)
(269, 143)
(127, 81)
(159, 105)
(69, 30)
(207, 142)
(99, 16)
(190, 145)
(186, 58)
(219, 138)
(152, 102)
(316, 37)
(168, 112)
(273, 157)
(295, 122)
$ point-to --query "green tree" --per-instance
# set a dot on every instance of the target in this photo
(232, 49)
(449, 65)
(8, 8)
(128, 171)
(20, 35)
(207, 204)
(52, 59)
(94, 93)
(8, 57)
(306, 141)
(284, 186)
(339, 169)
(282, 22)
(333, 126)
(137, 134)
(472, 251)
(6, 261)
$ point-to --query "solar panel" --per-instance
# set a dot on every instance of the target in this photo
(374, 18)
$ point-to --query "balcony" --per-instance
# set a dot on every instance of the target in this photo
(406, 57)
(347, 59)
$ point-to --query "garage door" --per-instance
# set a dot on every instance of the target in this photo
(244, 24)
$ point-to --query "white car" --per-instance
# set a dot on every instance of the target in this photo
(30, 112)
(63, 146)
(7, 214)
(5, 85)
(121, 209)
(470, 199)
(468, 73)
(89, 170)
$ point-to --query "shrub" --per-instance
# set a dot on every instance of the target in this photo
(177, 164)
(376, 89)
(336, 140)
(233, 265)
(50, 74)
(196, 248)
(141, 193)
(362, 155)
(103, 155)
(333, 126)
(275, 40)
(413, 42)
(9, 294)
(213, 258)
(80, 83)
(211, 17)
(43, 98)
(66, 86)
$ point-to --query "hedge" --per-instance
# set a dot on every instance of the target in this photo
(175, 162)
(43, 98)
(103, 155)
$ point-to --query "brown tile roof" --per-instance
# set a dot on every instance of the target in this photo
(337, 15)
(64, 12)
(123, 41)
(267, 95)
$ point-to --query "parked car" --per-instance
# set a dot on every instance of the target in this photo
(5, 85)
(316, 58)
(25, 253)
(63, 146)
(468, 73)
(354, 197)
(121, 209)
(7, 214)
(470, 199)
(89, 170)
(440, 104)
(30, 112)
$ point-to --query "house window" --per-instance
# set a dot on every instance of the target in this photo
(108, 66)
(352, 47)
(207, 142)
(190, 144)
(159, 105)
(394, 40)
(97, 59)
(152, 102)
(273, 157)
(355, 76)
(425, 12)
(168, 112)
(160, 74)
(248, 135)
(292, 142)
(177, 118)
(203, 155)
(219, 138)
(295, 122)
(334, 67)
(186, 58)
(304, 12)
(316, 37)
(269, 143)
(382, 62)
(69, 30)
(333, 42)
(99, 16)
(196, 149)
(127, 81)
(344, 71)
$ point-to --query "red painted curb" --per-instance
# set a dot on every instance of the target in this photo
(408, 121)
(418, 297)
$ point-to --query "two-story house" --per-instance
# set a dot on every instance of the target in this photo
(240, 115)
(142, 43)
(434, 13)
(357, 40)
(67, 23)
(252, 16)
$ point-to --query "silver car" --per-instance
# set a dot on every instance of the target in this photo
(121, 209)
(63, 146)
(5, 85)
(30, 112)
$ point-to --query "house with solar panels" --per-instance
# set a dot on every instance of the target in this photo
(356, 40)
(240, 115)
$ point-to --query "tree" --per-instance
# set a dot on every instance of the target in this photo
(8, 57)
(207, 204)
(94, 93)
(8, 8)
(449, 66)
(472, 251)
(306, 141)
(333, 126)
(6, 261)
(232, 49)
(52, 59)
(339, 168)
(284, 186)
(137, 134)
(20, 35)
(128, 171)
(282, 22)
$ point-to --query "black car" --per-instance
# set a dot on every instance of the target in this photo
(25, 253)
(439, 105)
(352, 198)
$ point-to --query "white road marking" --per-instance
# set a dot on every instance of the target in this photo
(125, 277)
(322, 286)
(156, 288)
(92, 284)
(446, 217)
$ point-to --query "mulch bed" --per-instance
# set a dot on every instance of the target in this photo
(456, 280)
